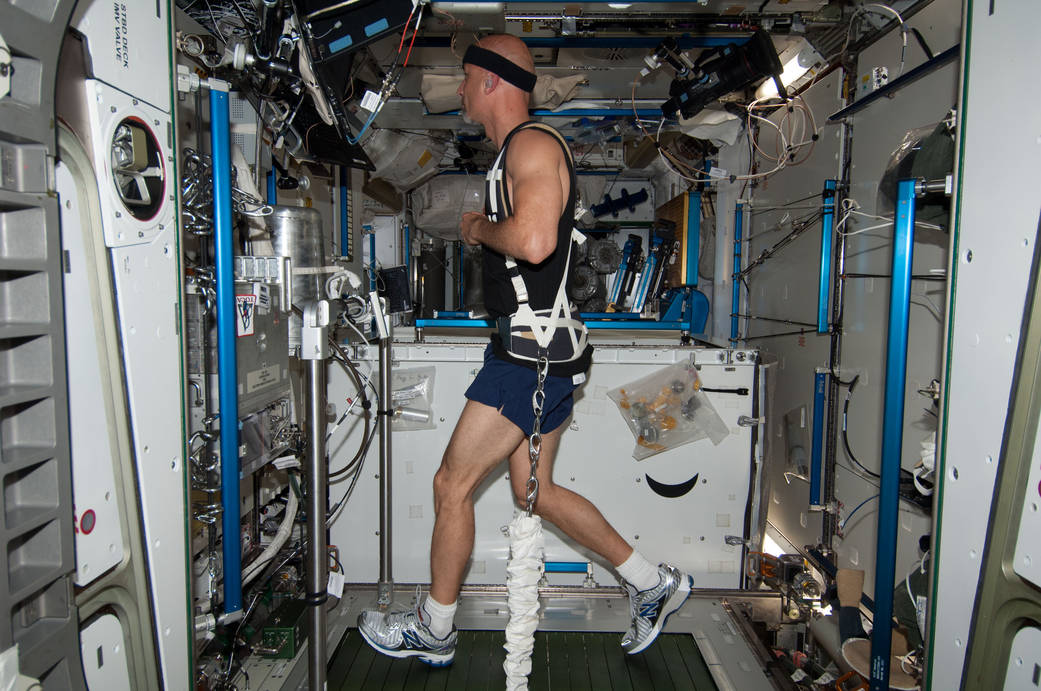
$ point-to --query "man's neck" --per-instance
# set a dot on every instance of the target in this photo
(504, 123)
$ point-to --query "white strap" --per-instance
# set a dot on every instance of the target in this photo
(542, 326)
(517, 280)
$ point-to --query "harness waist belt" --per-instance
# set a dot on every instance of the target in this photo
(520, 342)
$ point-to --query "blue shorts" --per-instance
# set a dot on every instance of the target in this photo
(508, 387)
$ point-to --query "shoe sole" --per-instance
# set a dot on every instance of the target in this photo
(432, 659)
(671, 605)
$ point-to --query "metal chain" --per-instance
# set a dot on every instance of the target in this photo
(538, 399)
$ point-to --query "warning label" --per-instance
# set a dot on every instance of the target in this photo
(246, 314)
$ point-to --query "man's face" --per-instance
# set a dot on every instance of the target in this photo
(470, 92)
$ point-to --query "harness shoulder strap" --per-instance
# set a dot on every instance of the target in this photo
(544, 324)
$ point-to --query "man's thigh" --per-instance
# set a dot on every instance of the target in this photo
(482, 440)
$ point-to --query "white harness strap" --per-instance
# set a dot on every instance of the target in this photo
(543, 323)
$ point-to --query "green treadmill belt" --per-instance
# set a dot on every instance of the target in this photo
(561, 661)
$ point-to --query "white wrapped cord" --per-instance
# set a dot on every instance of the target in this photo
(523, 572)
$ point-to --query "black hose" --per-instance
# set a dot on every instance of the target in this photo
(845, 435)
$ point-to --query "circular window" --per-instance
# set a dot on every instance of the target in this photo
(137, 168)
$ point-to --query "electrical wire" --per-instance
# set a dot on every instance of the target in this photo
(878, 8)
(921, 569)
(333, 512)
(845, 435)
(850, 208)
(415, 32)
(404, 31)
(361, 382)
(843, 522)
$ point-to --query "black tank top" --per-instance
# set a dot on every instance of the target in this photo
(542, 280)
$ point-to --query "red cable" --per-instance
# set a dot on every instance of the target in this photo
(409, 53)
(415, 32)
(405, 30)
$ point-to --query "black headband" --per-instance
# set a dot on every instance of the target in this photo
(498, 65)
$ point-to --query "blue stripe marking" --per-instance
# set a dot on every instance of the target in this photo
(693, 239)
(376, 27)
(827, 233)
(341, 43)
(816, 453)
(735, 303)
(345, 221)
(566, 566)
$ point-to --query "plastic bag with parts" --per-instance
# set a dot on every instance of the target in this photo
(666, 409)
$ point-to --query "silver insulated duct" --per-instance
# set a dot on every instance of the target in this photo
(296, 232)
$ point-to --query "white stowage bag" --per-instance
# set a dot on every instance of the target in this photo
(439, 204)
(523, 572)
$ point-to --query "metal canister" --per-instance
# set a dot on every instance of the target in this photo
(296, 232)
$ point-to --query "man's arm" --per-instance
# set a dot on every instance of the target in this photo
(530, 234)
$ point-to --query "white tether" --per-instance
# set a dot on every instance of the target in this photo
(523, 572)
(285, 529)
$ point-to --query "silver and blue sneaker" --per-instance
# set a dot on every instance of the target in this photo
(404, 634)
(650, 608)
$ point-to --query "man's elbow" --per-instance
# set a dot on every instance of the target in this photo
(540, 247)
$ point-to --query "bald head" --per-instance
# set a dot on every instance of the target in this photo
(499, 75)
(511, 48)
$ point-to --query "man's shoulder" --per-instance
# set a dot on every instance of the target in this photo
(534, 142)
(541, 134)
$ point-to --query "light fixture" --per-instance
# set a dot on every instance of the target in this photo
(619, 5)
(799, 62)
(771, 547)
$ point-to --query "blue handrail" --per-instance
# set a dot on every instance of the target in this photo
(892, 432)
(227, 357)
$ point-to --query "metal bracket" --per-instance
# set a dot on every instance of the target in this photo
(384, 593)
(273, 270)
(314, 332)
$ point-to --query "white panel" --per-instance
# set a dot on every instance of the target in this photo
(103, 651)
(123, 38)
(1024, 662)
(147, 290)
(99, 540)
(878, 130)
(386, 231)
(940, 26)
(1028, 550)
(594, 459)
(729, 659)
(997, 229)
(785, 287)
(107, 108)
(731, 158)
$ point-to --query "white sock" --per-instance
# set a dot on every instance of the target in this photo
(638, 571)
(439, 617)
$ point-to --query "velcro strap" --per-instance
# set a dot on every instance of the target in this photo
(519, 287)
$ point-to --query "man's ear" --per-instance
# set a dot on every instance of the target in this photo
(490, 82)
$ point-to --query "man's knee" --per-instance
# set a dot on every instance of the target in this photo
(450, 485)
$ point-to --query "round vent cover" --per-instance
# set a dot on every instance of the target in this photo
(137, 168)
